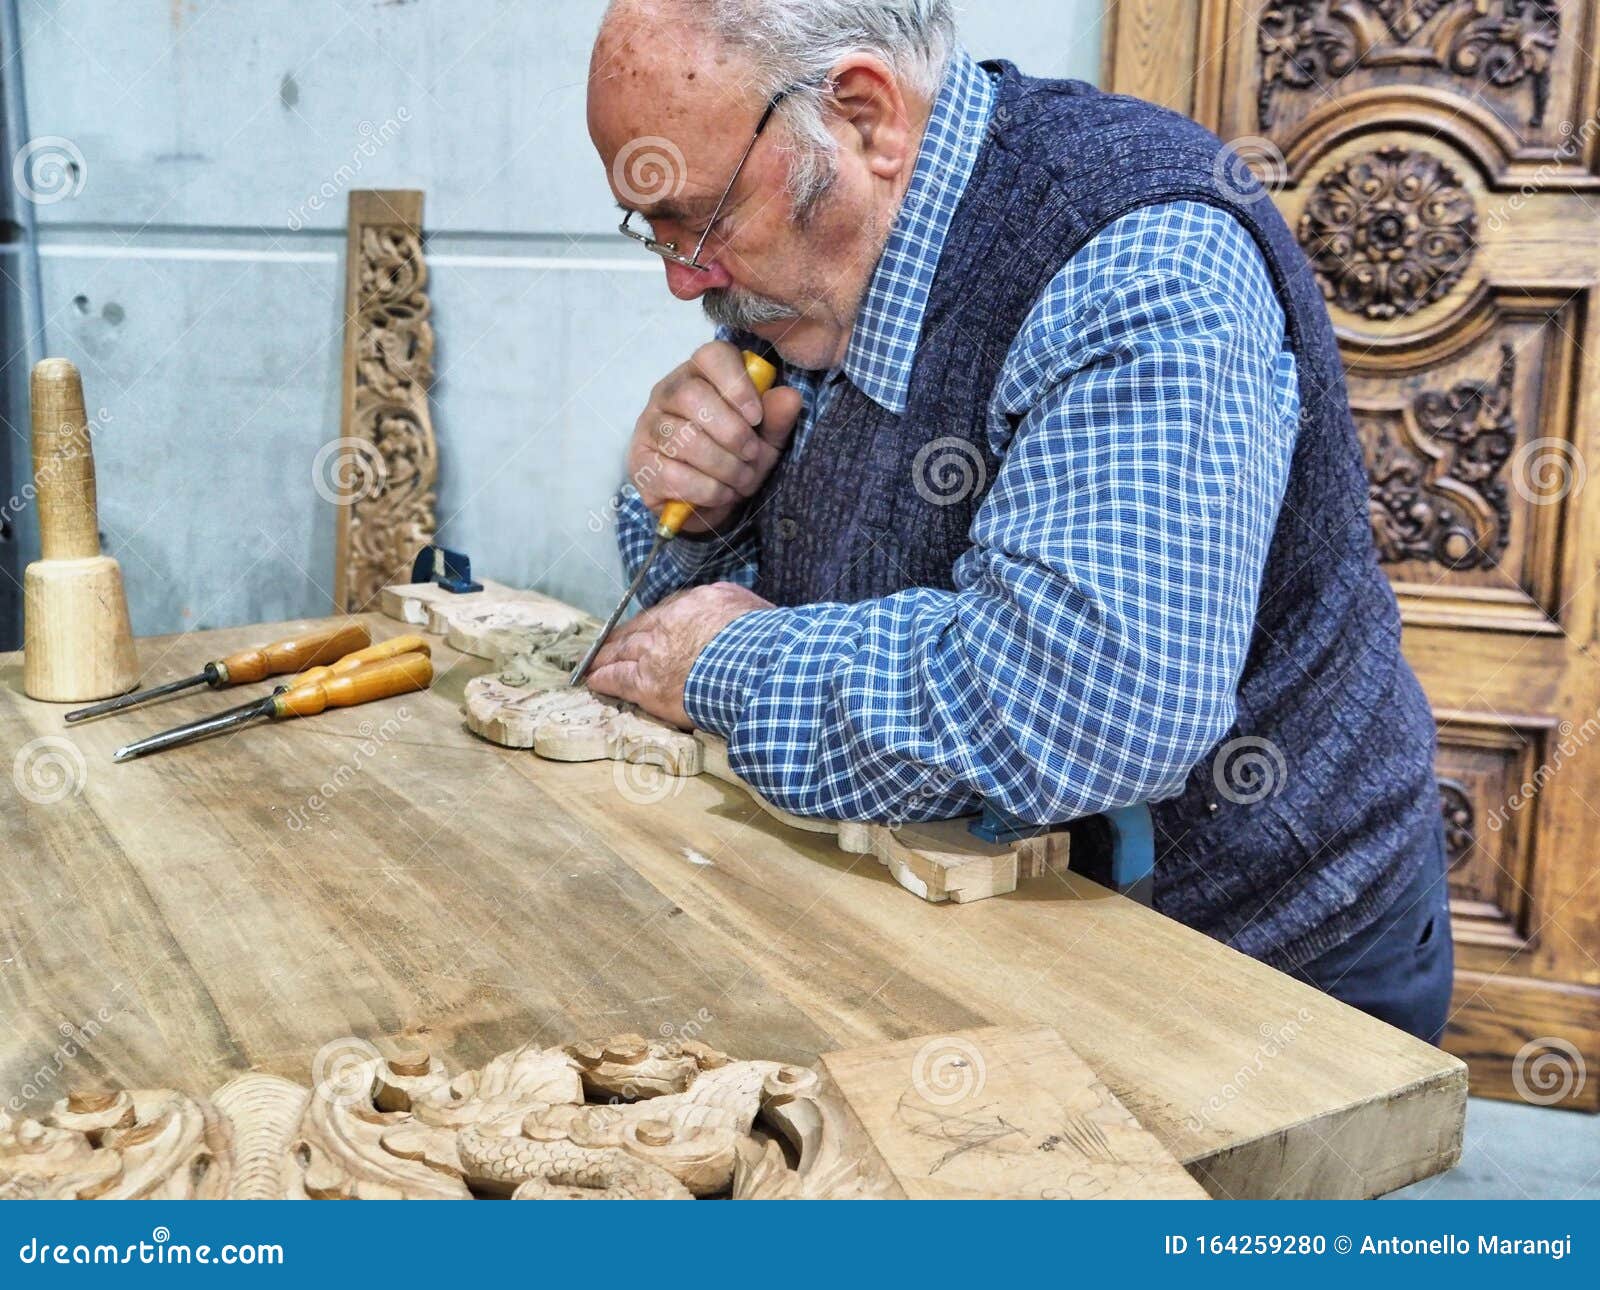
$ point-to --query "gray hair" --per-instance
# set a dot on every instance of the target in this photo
(795, 45)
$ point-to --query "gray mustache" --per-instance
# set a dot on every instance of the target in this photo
(744, 310)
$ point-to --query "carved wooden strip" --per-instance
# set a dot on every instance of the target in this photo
(532, 639)
(384, 468)
(415, 603)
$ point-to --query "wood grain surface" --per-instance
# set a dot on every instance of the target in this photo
(234, 904)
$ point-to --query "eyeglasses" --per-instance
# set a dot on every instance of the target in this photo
(669, 250)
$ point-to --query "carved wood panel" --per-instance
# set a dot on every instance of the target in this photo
(382, 471)
(1439, 163)
(1513, 74)
(1472, 463)
(1489, 780)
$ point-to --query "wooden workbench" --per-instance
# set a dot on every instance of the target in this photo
(241, 903)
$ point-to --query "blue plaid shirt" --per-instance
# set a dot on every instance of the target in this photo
(1157, 408)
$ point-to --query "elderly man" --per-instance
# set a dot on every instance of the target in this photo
(1059, 506)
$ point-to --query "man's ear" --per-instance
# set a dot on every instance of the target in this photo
(868, 100)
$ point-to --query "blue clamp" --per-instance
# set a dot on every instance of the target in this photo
(452, 570)
(1133, 843)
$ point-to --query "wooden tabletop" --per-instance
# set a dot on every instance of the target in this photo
(238, 904)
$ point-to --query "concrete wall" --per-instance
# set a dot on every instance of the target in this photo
(196, 276)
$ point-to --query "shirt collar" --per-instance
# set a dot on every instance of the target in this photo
(883, 345)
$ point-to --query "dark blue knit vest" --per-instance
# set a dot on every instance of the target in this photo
(1283, 878)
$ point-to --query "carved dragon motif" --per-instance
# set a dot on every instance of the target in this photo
(623, 1117)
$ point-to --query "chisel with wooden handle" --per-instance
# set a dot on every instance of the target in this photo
(294, 654)
(402, 674)
(674, 515)
(349, 663)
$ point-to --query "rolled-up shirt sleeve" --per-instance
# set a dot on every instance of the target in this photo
(1089, 656)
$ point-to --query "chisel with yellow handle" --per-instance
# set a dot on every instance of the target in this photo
(372, 654)
(294, 654)
(402, 674)
(349, 663)
(763, 375)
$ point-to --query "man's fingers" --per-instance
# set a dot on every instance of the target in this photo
(619, 680)
(694, 447)
(781, 409)
(722, 364)
(700, 403)
(681, 482)
(627, 644)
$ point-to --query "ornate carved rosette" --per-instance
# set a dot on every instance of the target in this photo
(391, 460)
(617, 1118)
(1389, 232)
(1448, 505)
(1312, 44)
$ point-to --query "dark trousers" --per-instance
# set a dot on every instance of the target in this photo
(1399, 969)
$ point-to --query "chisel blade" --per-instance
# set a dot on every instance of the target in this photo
(582, 670)
(136, 697)
(240, 716)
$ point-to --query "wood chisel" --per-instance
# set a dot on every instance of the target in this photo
(674, 515)
(349, 663)
(294, 654)
(402, 674)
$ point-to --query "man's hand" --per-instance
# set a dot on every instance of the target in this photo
(707, 438)
(648, 659)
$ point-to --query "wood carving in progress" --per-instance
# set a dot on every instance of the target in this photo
(499, 629)
(384, 467)
(535, 643)
(1017, 1114)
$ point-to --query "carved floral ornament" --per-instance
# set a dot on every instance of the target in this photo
(395, 465)
(1389, 232)
(1446, 503)
(611, 1119)
(1312, 44)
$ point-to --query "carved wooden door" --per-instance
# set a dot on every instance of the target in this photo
(1439, 161)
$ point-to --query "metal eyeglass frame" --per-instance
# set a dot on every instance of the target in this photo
(669, 250)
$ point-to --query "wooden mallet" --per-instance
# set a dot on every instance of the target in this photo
(77, 642)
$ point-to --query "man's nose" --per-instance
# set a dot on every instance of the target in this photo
(691, 284)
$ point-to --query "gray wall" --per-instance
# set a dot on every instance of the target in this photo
(199, 289)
